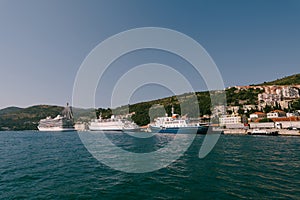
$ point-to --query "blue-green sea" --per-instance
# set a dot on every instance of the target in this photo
(44, 165)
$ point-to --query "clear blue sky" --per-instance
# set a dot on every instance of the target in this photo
(43, 43)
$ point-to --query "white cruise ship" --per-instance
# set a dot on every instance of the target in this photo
(112, 124)
(62, 122)
(176, 124)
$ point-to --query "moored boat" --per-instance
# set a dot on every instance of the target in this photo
(263, 132)
(113, 124)
(62, 122)
(177, 124)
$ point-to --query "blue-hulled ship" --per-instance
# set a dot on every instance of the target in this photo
(177, 124)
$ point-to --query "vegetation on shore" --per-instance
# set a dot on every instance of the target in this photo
(26, 118)
(14, 118)
(289, 80)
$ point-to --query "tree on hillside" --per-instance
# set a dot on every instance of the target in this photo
(277, 106)
(265, 120)
(296, 105)
(105, 113)
(241, 111)
(268, 109)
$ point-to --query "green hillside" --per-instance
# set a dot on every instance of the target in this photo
(142, 110)
(13, 118)
(26, 118)
(289, 80)
(9, 110)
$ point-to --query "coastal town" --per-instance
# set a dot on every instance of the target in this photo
(272, 111)
(254, 109)
(262, 108)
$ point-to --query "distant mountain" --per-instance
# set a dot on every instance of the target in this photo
(289, 80)
(26, 118)
(9, 110)
(13, 118)
(84, 115)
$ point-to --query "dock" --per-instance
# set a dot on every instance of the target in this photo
(281, 132)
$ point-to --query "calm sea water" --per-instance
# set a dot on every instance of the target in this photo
(42, 165)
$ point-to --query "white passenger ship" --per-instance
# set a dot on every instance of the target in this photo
(112, 124)
(62, 122)
(176, 124)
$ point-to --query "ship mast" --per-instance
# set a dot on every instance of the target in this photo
(67, 112)
(172, 111)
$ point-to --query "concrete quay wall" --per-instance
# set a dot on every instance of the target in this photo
(283, 132)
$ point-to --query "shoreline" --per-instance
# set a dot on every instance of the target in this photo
(281, 132)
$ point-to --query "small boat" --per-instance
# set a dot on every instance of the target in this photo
(263, 132)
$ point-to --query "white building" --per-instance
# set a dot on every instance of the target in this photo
(295, 114)
(233, 109)
(290, 92)
(276, 114)
(249, 107)
(280, 94)
(230, 119)
(219, 110)
(269, 98)
(257, 115)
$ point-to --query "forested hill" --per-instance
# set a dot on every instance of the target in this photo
(14, 118)
(26, 118)
(9, 110)
(289, 80)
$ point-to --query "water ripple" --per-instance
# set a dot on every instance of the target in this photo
(38, 165)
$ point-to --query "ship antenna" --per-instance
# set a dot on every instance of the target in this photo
(67, 112)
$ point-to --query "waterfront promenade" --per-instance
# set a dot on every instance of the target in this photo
(281, 132)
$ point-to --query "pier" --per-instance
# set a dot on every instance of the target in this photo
(281, 132)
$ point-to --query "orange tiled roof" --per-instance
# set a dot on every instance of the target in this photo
(280, 119)
(259, 113)
(279, 111)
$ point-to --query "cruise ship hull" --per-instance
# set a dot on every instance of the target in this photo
(113, 125)
(58, 129)
(180, 130)
(59, 123)
(98, 128)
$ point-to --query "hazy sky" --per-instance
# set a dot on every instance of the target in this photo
(43, 43)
